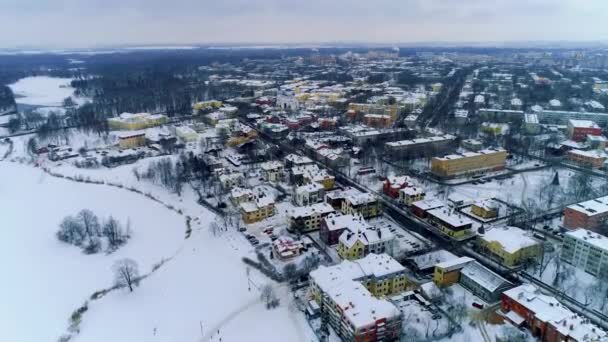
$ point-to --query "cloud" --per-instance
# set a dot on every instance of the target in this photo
(104, 22)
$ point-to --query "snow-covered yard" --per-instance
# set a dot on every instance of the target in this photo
(44, 280)
(205, 284)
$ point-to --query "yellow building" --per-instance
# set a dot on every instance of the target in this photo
(510, 246)
(364, 204)
(257, 210)
(451, 223)
(357, 242)
(129, 121)
(132, 139)
(391, 279)
(410, 195)
(448, 272)
(469, 163)
(204, 105)
(486, 209)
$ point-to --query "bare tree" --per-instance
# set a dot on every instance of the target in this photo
(126, 273)
(114, 232)
(269, 296)
(89, 222)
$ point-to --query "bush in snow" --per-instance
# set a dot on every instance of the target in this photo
(84, 230)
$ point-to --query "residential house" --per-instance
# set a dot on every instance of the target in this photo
(240, 195)
(257, 210)
(364, 204)
(230, 180)
(358, 241)
(273, 171)
(392, 185)
(410, 195)
(306, 219)
(309, 194)
(286, 248)
(333, 225)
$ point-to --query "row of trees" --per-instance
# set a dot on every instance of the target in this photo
(85, 230)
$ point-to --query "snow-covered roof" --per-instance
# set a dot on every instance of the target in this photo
(400, 143)
(271, 165)
(592, 207)
(412, 191)
(510, 238)
(309, 188)
(483, 276)
(315, 209)
(366, 234)
(594, 154)
(453, 218)
(454, 264)
(358, 305)
(471, 154)
(582, 123)
(589, 238)
(361, 198)
(338, 222)
(550, 310)
(431, 259)
(371, 266)
(428, 204)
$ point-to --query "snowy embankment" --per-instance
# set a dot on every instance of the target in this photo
(45, 280)
(203, 289)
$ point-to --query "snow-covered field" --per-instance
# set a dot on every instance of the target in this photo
(44, 280)
(203, 289)
(43, 91)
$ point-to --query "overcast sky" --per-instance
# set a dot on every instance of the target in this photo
(87, 23)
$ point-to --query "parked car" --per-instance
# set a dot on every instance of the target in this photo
(477, 305)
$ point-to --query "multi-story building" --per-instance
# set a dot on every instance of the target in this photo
(309, 194)
(335, 198)
(348, 297)
(333, 225)
(510, 246)
(546, 317)
(364, 204)
(410, 195)
(586, 250)
(594, 159)
(257, 210)
(469, 163)
(421, 147)
(589, 214)
(306, 219)
(578, 130)
(451, 223)
(272, 171)
(358, 241)
(130, 121)
(131, 139)
(562, 117)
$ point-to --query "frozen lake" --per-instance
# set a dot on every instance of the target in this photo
(43, 91)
